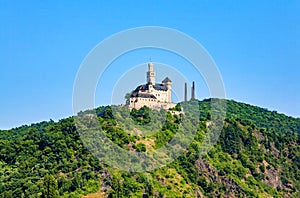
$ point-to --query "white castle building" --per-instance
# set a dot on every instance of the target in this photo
(153, 95)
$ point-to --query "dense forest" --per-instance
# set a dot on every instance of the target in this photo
(257, 155)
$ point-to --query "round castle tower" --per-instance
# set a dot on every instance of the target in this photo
(150, 74)
(168, 83)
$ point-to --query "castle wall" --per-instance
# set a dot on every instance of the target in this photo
(138, 102)
(162, 96)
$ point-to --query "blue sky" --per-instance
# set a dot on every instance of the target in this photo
(255, 44)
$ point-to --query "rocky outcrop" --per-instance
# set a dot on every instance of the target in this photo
(212, 175)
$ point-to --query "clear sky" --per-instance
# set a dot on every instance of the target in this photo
(255, 44)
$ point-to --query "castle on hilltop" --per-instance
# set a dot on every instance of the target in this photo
(153, 95)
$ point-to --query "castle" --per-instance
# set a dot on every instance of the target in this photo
(153, 95)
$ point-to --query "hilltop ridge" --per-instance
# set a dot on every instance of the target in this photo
(257, 155)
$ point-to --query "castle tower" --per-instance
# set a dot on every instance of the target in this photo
(168, 83)
(185, 91)
(193, 90)
(150, 74)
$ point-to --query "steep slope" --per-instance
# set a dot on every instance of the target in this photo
(257, 155)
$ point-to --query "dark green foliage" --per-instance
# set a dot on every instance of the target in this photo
(105, 112)
(176, 108)
(50, 189)
(231, 138)
(207, 187)
(48, 159)
(45, 160)
(141, 116)
(140, 147)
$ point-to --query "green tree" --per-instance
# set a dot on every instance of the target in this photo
(50, 189)
(127, 96)
(140, 147)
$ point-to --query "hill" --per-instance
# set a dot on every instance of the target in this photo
(257, 155)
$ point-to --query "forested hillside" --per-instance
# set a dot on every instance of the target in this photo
(257, 155)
